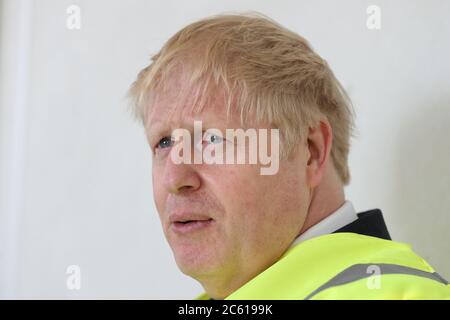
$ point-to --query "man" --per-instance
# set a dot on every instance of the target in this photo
(247, 235)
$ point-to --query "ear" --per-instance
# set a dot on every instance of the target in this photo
(318, 142)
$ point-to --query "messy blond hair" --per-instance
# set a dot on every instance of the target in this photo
(269, 73)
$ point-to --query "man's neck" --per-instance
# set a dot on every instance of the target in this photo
(341, 217)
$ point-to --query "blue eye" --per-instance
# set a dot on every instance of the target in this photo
(165, 142)
(213, 138)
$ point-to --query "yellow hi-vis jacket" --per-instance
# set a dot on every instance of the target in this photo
(346, 266)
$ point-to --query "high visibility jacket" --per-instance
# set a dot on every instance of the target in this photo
(346, 266)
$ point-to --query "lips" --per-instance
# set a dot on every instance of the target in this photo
(189, 222)
(187, 217)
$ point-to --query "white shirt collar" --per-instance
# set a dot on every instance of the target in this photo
(341, 217)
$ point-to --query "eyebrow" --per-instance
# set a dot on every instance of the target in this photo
(153, 132)
(159, 127)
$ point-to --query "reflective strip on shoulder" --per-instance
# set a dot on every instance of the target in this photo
(361, 271)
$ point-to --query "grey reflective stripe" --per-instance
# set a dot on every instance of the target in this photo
(360, 271)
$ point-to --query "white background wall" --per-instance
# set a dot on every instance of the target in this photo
(75, 169)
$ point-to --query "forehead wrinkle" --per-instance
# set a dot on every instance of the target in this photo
(183, 115)
(165, 124)
(177, 100)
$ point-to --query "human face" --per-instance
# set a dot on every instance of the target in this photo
(244, 221)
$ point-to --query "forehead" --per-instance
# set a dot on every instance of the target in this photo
(176, 102)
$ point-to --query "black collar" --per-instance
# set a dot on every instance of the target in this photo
(369, 223)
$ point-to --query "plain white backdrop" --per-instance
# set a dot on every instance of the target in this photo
(75, 178)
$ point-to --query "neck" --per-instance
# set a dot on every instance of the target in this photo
(326, 198)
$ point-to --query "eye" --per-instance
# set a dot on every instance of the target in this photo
(212, 138)
(165, 142)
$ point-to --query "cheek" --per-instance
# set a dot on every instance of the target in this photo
(236, 191)
(248, 201)
(274, 201)
(159, 194)
(291, 190)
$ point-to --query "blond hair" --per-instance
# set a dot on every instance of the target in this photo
(268, 72)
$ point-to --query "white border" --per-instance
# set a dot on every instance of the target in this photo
(16, 39)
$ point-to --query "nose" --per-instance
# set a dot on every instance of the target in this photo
(180, 178)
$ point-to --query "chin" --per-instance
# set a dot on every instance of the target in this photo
(197, 264)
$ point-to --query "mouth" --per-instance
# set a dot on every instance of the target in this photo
(184, 226)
